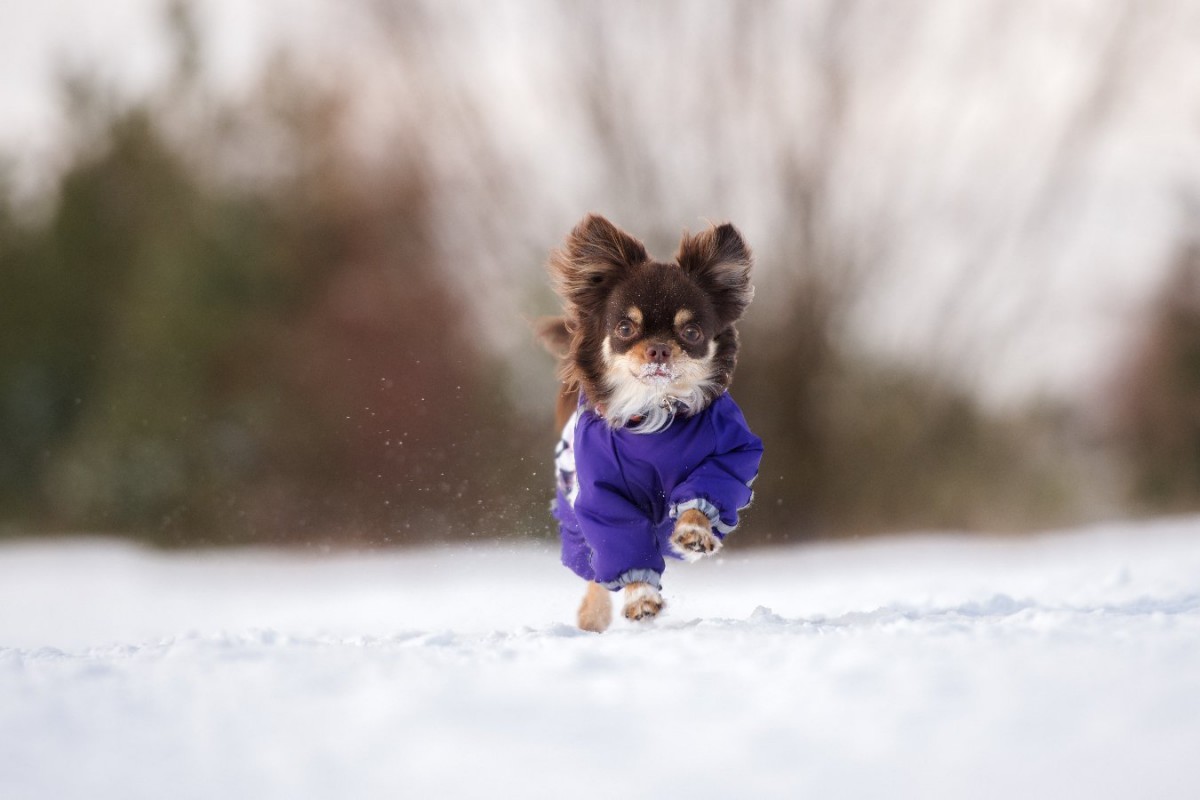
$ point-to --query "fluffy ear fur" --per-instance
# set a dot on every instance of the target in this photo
(719, 261)
(554, 334)
(596, 254)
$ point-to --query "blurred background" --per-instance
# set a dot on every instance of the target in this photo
(267, 270)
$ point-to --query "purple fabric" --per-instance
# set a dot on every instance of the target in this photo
(630, 486)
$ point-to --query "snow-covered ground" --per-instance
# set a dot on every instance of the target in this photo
(1060, 666)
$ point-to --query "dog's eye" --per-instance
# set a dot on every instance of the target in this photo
(625, 329)
(691, 334)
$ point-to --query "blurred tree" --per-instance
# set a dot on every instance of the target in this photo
(175, 279)
(856, 445)
(1157, 420)
(42, 376)
(195, 356)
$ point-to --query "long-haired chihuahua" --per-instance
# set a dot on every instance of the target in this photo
(655, 458)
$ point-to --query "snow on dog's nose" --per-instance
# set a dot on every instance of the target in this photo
(656, 364)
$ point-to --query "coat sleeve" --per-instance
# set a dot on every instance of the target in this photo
(619, 534)
(719, 486)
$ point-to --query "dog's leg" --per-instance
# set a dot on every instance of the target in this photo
(693, 537)
(642, 601)
(595, 613)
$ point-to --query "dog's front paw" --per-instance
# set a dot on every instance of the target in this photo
(642, 602)
(693, 538)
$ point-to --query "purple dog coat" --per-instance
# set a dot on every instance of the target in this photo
(619, 492)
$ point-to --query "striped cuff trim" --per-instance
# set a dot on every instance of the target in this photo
(634, 576)
(707, 509)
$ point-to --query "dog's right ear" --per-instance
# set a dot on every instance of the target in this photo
(595, 256)
(555, 334)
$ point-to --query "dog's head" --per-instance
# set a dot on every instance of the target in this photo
(647, 338)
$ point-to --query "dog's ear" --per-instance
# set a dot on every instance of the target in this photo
(719, 261)
(555, 334)
(596, 255)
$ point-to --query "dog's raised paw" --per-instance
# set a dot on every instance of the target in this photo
(693, 538)
(642, 602)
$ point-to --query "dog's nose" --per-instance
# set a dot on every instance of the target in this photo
(658, 352)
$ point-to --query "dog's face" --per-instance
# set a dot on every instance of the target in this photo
(650, 338)
(658, 345)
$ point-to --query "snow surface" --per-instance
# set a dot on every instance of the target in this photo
(1060, 666)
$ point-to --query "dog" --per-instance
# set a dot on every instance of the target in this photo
(655, 459)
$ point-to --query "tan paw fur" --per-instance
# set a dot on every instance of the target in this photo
(595, 613)
(642, 602)
(693, 537)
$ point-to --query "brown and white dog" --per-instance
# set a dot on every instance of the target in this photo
(644, 343)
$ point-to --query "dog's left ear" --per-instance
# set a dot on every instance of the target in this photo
(719, 261)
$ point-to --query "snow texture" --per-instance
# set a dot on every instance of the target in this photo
(1063, 665)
